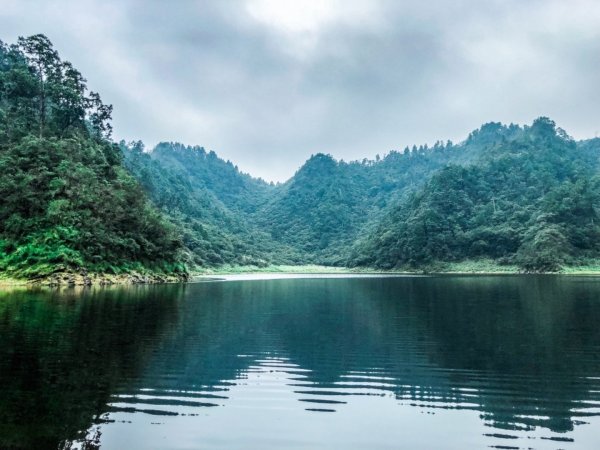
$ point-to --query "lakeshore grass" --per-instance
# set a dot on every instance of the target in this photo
(468, 267)
(480, 266)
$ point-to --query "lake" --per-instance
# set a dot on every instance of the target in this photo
(449, 362)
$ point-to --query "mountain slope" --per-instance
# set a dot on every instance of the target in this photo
(531, 198)
(324, 207)
(71, 200)
(204, 170)
(495, 195)
(67, 202)
(210, 201)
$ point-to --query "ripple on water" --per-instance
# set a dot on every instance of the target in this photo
(469, 362)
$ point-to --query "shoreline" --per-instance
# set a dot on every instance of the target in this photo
(462, 268)
(62, 279)
(65, 279)
(260, 276)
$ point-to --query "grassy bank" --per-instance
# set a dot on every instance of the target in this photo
(8, 281)
(228, 270)
(463, 267)
(585, 269)
(304, 269)
(482, 266)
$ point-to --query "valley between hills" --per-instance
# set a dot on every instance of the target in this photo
(79, 208)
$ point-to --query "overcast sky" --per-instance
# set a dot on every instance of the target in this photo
(266, 83)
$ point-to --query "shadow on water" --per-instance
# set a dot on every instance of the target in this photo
(524, 352)
(525, 349)
(63, 352)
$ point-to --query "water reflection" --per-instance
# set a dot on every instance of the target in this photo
(62, 354)
(496, 361)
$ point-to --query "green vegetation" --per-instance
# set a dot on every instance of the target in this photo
(474, 266)
(195, 190)
(328, 204)
(68, 203)
(591, 267)
(531, 199)
(314, 218)
(520, 198)
(287, 269)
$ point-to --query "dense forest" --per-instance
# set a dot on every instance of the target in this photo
(525, 196)
(68, 203)
(531, 198)
(74, 200)
(208, 201)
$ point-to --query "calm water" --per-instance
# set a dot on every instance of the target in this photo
(357, 363)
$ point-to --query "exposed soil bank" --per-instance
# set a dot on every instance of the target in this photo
(94, 279)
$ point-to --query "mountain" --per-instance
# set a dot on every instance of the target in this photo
(68, 203)
(327, 204)
(228, 217)
(210, 202)
(531, 197)
(73, 200)
(525, 196)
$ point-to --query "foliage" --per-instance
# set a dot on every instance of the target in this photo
(195, 191)
(67, 201)
(327, 204)
(72, 199)
(513, 195)
(530, 199)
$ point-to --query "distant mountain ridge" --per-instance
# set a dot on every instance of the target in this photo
(73, 201)
(360, 213)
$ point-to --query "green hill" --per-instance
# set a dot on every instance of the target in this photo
(210, 202)
(530, 198)
(68, 203)
(74, 201)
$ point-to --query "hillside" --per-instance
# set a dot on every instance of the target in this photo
(228, 217)
(523, 196)
(210, 202)
(74, 201)
(327, 204)
(531, 198)
(68, 203)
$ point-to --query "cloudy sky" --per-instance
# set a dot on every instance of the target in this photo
(267, 83)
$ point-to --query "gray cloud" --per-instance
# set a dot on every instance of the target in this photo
(266, 87)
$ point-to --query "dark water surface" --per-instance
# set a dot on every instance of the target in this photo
(358, 363)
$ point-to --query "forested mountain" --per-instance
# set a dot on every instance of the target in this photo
(324, 207)
(210, 202)
(531, 198)
(67, 202)
(524, 196)
(71, 199)
(205, 170)
(229, 217)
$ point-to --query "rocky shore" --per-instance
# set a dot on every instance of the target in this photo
(97, 279)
